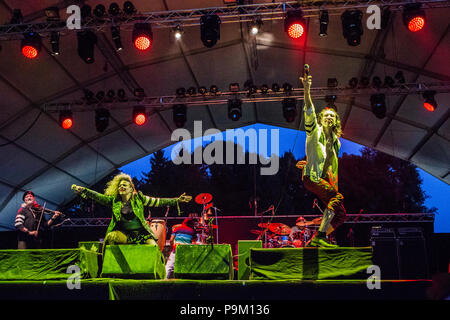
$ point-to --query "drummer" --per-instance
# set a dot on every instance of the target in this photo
(127, 224)
(181, 234)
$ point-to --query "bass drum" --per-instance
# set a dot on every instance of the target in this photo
(159, 229)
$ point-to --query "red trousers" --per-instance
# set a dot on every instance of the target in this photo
(330, 197)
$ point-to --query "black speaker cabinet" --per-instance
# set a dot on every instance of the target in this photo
(384, 244)
(412, 254)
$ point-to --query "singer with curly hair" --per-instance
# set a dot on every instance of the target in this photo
(128, 224)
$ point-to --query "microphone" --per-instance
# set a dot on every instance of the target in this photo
(306, 70)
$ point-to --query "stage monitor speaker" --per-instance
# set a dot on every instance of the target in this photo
(244, 247)
(384, 244)
(203, 262)
(133, 261)
(412, 254)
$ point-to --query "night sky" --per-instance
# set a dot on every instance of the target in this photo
(438, 191)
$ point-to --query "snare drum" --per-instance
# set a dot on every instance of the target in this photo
(159, 229)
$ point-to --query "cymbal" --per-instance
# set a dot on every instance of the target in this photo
(280, 228)
(263, 225)
(203, 198)
(304, 223)
(256, 231)
(209, 205)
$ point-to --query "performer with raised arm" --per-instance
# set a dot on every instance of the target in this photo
(128, 224)
(320, 170)
(30, 219)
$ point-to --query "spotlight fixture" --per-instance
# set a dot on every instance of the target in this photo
(114, 9)
(121, 95)
(52, 14)
(353, 83)
(414, 16)
(111, 94)
(287, 87)
(17, 17)
(178, 32)
(234, 87)
(275, 87)
(181, 92)
(389, 82)
(179, 115)
(142, 36)
(139, 93)
(128, 8)
(289, 109)
(99, 11)
(192, 91)
(100, 95)
(264, 89)
(115, 35)
(101, 119)
(352, 26)
(214, 89)
(294, 24)
(234, 109)
(31, 45)
(54, 41)
(202, 90)
(364, 82)
(89, 96)
(209, 29)
(376, 82)
(86, 42)
(332, 82)
(400, 77)
(139, 115)
(255, 26)
(65, 119)
(323, 23)
(378, 105)
(430, 103)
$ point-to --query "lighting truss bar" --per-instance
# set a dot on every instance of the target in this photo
(351, 218)
(227, 14)
(165, 102)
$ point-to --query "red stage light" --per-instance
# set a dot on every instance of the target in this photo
(430, 107)
(294, 24)
(66, 119)
(295, 31)
(142, 43)
(416, 24)
(414, 16)
(142, 36)
(30, 52)
(139, 116)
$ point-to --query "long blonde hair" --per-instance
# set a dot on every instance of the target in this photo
(337, 128)
(112, 186)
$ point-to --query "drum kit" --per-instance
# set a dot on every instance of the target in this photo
(279, 235)
(204, 228)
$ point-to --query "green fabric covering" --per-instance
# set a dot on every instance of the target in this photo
(39, 264)
(310, 263)
(203, 262)
(90, 258)
(133, 261)
(244, 247)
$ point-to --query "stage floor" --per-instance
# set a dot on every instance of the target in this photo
(214, 290)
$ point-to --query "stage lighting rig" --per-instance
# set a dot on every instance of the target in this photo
(142, 36)
(99, 11)
(114, 9)
(31, 45)
(101, 119)
(86, 44)
(414, 16)
(128, 8)
(115, 35)
(139, 115)
(234, 109)
(430, 103)
(323, 23)
(378, 105)
(289, 109)
(352, 26)
(179, 115)
(210, 29)
(66, 119)
(294, 24)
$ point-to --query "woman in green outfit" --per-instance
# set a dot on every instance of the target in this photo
(128, 224)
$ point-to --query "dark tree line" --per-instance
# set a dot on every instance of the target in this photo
(373, 182)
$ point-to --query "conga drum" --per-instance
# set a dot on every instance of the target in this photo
(159, 229)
